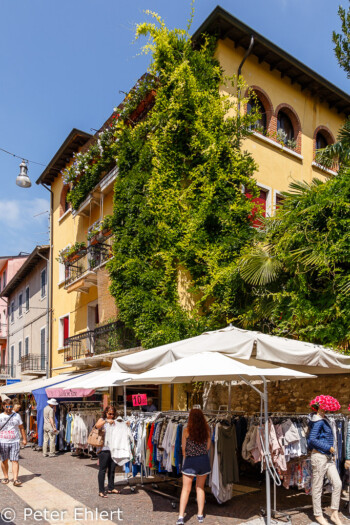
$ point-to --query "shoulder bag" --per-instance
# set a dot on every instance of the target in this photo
(4, 425)
(96, 437)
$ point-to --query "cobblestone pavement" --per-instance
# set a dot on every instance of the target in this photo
(77, 477)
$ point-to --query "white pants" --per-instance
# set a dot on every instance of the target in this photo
(321, 467)
(49, 436)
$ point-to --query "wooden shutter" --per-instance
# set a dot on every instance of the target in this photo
(42, 348)
(259, 209)
(65, 328)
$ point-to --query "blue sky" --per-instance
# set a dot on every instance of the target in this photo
(63, 63)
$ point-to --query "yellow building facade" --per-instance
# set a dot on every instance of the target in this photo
(305, 106)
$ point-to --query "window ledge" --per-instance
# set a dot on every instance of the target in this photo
(64, 215)
(322, 168)
(61, 349)
(278, 145)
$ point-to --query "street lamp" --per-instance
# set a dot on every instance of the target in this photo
(22, 179)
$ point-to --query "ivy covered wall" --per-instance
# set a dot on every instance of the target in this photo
(179, 200)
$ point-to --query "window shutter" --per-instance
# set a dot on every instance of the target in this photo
(20, 350)
(12, 360)
(27, 298)
(42, 353)
(26, 346)
(259, 209)
(65, 328)
(43, 283)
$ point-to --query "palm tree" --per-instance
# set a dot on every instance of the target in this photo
(337, 153)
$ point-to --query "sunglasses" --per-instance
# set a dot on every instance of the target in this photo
(8, 406)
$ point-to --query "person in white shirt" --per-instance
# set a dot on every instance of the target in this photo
(50, 430)
(106, 463)
(11, 429)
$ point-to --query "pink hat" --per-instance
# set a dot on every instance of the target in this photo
(328, 403)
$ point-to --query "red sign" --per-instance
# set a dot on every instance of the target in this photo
(139, 400)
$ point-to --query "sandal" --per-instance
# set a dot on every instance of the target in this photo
(5, 481)
(114, 491)
(17, 483)
(102, 495)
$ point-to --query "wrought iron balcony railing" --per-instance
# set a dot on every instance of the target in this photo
(33, 362)
(7, 371)
(94, 256)
(104, 339)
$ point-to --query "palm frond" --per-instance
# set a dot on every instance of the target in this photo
(259, 267)
(310, 257)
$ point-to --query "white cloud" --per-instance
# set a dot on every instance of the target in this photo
(16, 215)
(21, 228)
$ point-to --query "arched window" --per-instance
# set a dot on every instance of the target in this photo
(321, 141)
(64, 204)
(285, 125)
(255, 104)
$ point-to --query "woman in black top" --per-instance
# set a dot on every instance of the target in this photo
(195, 447)
(105, 461)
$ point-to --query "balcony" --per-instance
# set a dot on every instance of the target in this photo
(105, 339)
(7, 371)
(33, 364)
(81, 273)
(94, 198)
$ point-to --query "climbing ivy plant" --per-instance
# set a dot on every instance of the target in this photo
(181, 217)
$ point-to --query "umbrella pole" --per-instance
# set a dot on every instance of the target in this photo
(267, 447)
(229, 398)
(264, 396)
(124, 391)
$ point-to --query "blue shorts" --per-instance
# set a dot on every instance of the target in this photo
(196, 465)
(9, 451)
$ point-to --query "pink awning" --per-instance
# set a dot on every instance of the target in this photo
(72, 392)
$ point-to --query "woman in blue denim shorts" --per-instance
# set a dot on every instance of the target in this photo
(195, 448)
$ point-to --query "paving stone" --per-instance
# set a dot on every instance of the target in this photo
(78, 478)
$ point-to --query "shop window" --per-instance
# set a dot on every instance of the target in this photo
(254, 104)
(285, 130)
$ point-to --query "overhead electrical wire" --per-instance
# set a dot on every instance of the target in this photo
(22, 158)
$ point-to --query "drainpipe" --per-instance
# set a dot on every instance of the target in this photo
(247, 53)
(49, 288)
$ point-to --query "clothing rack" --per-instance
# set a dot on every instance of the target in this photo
(339, 417)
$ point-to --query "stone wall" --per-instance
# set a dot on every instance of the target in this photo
(284, 396)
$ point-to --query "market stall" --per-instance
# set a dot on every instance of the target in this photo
(249, 348)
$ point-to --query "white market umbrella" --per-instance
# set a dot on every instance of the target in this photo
(242, 344)
(213, 366)
(97, 379)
